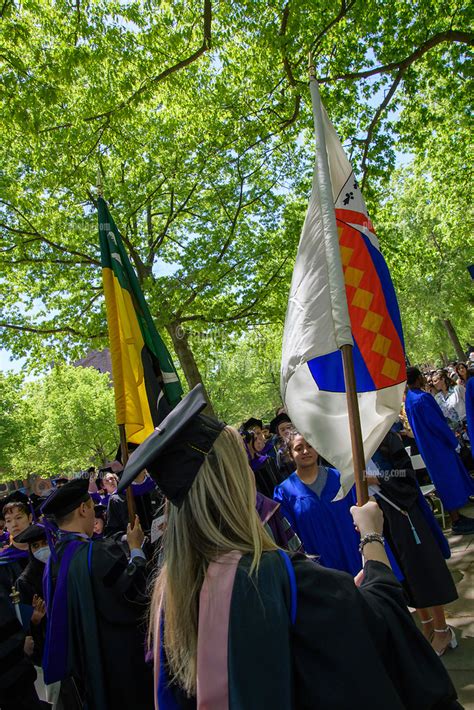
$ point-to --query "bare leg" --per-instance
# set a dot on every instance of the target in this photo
(441, 637)
(427, 622)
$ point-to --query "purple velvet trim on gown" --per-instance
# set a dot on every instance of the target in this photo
(55, 657)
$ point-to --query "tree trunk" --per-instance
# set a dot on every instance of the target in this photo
(454, 338)
(186, 358)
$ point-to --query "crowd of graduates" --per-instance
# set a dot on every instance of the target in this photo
(199, 602)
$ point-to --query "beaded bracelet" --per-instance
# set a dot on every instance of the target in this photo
(371, 537)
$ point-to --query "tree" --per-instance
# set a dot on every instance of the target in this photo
(198, 119)
(425, 231)
(243, 373)
(62, 423)
(10, 427)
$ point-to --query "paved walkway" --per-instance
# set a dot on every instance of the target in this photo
(460, 615)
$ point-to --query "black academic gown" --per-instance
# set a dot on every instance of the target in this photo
(427, 579)
(17, 672)
(349, 647)
(29, 583)
(9, 573)
(117, 514)
(107, 627)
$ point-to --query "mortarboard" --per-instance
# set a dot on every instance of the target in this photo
(14, 497)
(105, 469)
(59, 480)
(279, 419)
(33, 533)
(67, 498)
(252, 422)
(176, 450)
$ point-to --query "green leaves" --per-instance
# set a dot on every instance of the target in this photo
(206, 157)
(61, 423)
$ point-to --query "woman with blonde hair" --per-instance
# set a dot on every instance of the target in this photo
(237, 623)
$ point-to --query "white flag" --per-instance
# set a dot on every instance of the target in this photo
(341, 293)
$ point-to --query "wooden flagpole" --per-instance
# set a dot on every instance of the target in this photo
(357, 443)
(130, 499)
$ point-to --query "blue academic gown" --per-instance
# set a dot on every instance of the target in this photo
(470, 410)
(325, 528)
(437, 446)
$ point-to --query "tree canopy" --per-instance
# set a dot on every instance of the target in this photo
(196, 117)
(59, 424)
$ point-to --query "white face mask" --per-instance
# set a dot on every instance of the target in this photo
(42, 554)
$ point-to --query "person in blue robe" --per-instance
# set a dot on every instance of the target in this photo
(438, 448)
(306, 497)
(470, 407)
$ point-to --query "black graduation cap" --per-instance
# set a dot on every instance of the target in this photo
(251, 423)
(67, 498)
(105, 469)
(33, 533)
(175, 451)
(279, 419)
(14, 497)
(59, 480)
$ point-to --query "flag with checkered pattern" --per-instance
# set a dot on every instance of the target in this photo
(341, 293)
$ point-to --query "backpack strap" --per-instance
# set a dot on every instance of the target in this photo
(292, 581)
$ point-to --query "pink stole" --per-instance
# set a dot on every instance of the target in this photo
(213, 633)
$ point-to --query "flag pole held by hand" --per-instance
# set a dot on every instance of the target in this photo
(130, 499)
(354, 426)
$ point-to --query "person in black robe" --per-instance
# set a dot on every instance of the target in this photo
(117, 509)
(416, 541)
(280, 426)
(17, 672)
(264, 466)
(96, 606)
(15, 511)
(239, 623)
(30, 585)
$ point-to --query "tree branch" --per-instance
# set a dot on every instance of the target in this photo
(88, 259)
(344, 9)
(171, 216)
(13, 262)
(50, 331)
(206, 44)
(233, 224)
(245, 312)
(5, 6)
(373, 123)
(448, 36)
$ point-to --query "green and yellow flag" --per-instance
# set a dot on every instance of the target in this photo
(146, 384)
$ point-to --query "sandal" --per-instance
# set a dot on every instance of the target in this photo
(452, 643)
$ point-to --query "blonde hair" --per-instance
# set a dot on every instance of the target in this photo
(217, 516)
